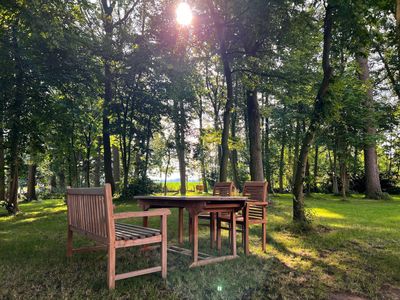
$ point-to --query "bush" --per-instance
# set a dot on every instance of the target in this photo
(139, 186)
(388, 183)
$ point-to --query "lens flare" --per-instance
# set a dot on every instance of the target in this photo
(184, 14)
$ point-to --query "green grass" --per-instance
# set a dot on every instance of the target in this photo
(175, 186)
(355, 248)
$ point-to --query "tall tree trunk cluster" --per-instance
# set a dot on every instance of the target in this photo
(316, 119)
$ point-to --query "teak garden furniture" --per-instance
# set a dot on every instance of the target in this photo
(90, 213)
(255, 212)
(196, 205)
(224, 189)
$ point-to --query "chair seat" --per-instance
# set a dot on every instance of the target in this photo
(227, 218)
(133, 232)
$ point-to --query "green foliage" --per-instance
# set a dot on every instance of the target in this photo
(139, 186)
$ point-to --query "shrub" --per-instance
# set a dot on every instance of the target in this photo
(139, 186)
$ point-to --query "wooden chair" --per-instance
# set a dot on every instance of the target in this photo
(255, 212)
(90, 213)
(220, 189)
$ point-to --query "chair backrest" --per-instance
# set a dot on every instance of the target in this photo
(256, 190)
(90, 211)
(223, 189)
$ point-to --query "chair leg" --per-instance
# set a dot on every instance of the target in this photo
(218, 232)
(246, 238)
(69, 242)
(111, 267)
(264, 236)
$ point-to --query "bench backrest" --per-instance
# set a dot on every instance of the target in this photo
(90, 212)
(223, 189)
(258, 191)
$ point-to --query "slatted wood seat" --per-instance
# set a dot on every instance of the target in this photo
(90, 213)
(254, 212)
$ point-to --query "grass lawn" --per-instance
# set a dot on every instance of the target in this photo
(354, 249)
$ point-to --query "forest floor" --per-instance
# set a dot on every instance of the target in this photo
(352, 253)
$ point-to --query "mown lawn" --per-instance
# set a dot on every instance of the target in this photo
(353, 250)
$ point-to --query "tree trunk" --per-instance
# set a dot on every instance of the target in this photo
(223, 171)
(15, 134)
(116, 164)
(373, 186)
(2, 163)
(201, 143)
(253, 113)
(108, 28)
(147, 149)
(267, 161)
(315, 177)
(343, 177)
(166, 171)
(53, 183)
(296, 149)
(61, 177)
(316, 118)
(31, 194)
(335, 186)
(282, 162)
(97, 165)
(180, 143)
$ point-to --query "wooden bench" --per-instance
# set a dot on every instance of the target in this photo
(255, 212)
(90, 213)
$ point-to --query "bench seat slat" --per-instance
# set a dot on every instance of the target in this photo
(133, 232)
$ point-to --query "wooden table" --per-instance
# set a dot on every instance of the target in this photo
(196, 205)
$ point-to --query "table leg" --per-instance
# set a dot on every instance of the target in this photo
(190, 229)
(233, 236)
(212, 230)
(195, 228)
(218, 232)
(180, 226)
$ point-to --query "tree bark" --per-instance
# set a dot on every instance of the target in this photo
(180, 143)
(316, 118)
(108, 28)
(315, 179)
(373, 186)
(253, 113)
(97, 165)
(31, 194)
(15, 128)
(53, 183)
(201, 143)
(267, 161)
(282, 162)
(166, 171)
(2, 163)
(116, 164)
(223, 171)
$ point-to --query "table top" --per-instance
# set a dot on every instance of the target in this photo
(194, 198)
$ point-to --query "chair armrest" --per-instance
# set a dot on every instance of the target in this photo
(256, 203)
(138, 214)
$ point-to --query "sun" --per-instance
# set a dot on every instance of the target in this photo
(183, 14)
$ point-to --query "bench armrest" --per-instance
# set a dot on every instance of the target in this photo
(256, 203)
(138, 214)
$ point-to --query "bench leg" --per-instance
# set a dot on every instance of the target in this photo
(246, 238)
(264, 236)
(111, 267)
(164, 247)
(69, 242)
